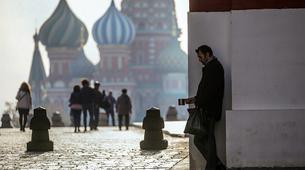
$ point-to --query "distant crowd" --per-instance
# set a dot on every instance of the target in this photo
(84, 100)
(89, 100)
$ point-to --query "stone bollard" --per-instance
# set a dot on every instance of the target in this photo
(40, 135)
(103, 119)
(6, 121)
(171, 114)
(56, 120)
(153, 125)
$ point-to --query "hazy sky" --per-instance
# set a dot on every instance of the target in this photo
(18, 20)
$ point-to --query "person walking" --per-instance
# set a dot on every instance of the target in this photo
(123, 108)
(87, 95)
(98, 98)
(24, 104)
(76, 107)
(110, 110)
(208, 102)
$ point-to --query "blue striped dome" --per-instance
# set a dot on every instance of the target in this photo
(63, 28)
(113, 28)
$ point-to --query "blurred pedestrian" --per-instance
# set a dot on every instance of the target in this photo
(98, 98)
(87, 94)
(24, 104)
(123, 108)
(110, 110)
(76, 107)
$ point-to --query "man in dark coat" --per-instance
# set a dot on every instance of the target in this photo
(97, 100)
(87, 94)
(123, 108)
(208, 101)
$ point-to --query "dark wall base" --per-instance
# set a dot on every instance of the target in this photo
(228, 5)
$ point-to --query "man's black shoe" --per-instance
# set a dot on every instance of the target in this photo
(221, 167)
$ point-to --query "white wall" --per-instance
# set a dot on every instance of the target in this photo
(265, 138)
(268, 59)
(263, 53)
(212, 29)
(264, 128)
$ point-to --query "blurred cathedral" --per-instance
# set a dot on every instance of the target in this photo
(138, 48)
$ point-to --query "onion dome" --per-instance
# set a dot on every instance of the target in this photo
(113, 28)
(63, 28)
(172, 58)
(82, 67)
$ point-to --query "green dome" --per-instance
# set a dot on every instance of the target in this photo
(63, 28)
(172, 58)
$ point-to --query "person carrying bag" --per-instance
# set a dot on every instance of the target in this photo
(208, 100)
(24, 104)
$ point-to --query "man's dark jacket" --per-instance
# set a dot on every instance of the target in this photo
(211, 89)
(87, 95)
(98, 97)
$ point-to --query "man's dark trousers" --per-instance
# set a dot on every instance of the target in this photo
(87, 108)
(112, 117)
(96, 115)
(207, 146)
(126, 120)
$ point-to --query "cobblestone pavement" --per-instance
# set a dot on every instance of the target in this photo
(107, 148)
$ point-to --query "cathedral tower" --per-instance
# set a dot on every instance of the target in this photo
(113, 33)
(64, 36)
(37, 75)
(156, 25)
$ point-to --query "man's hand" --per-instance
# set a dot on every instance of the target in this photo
(190, 100)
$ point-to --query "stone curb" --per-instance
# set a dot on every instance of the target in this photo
(184, 164)
(165, 132)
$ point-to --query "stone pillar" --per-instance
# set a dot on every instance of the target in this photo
(153, 125)
(56, 120)
(103, 119)
(6, 121)
(171, 114)
(40, 135)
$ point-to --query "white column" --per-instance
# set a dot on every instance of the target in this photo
(213, 29)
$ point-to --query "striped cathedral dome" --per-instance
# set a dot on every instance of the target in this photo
(63, 28)
(113, 28)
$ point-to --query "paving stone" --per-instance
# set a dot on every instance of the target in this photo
(107, 148)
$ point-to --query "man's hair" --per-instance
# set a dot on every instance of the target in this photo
(85, 82)
(205, 49)
(124, 91)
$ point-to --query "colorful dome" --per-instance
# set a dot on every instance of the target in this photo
(113, 28)
(172, 58)
(63, 29)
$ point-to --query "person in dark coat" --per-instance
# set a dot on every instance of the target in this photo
(110, 110)
(208, 101)
(123, 108)
(98, 98)
(87, 94)
(76, 107)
